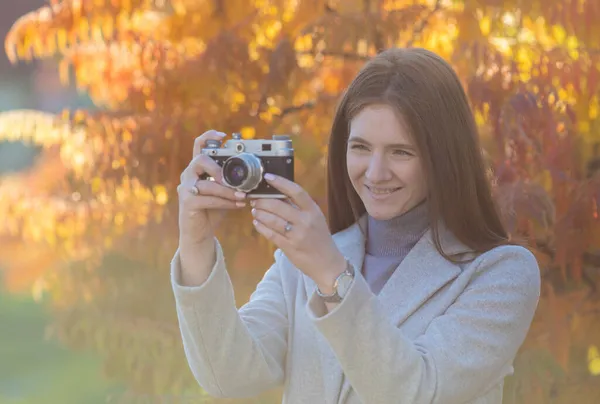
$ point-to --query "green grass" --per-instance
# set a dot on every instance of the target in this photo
(36, 371)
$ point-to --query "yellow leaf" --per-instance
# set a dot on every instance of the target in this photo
(593, 360)
(362, 47)
(479, 118)
(76, 8)
(274, 110)
(96, 184)
(583, 126)
(61, 39)
(238, 98)
(303, 43)
(161, 195)
(593, 110)
(84, 29)
(127, 136)
(559, 33)
(248, 132)
(107, 27)
(119, 219)
(572, 42)
(97, 33)
(485, 25)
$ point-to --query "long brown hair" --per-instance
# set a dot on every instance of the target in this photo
(428, 96)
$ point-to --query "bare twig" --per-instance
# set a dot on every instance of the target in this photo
(295, 108)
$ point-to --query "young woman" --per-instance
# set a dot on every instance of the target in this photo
(417, 297)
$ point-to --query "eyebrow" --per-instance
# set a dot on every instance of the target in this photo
(359, 139)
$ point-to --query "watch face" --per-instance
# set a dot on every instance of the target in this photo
(344, 284)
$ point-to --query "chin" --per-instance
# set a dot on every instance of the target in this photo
(378, 214)
(383, 212)
(388, 209)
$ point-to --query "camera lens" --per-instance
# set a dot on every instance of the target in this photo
(243, 171)
(236, 173)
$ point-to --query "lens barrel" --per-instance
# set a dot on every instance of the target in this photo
(243, 171)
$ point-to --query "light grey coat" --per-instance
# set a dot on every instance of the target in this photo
(436, 333)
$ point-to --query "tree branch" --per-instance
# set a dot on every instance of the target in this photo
(295, 108)
(418, 29)
(375, 33)
(343, 55)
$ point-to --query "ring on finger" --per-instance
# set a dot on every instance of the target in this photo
(288, 227)
(194, 190)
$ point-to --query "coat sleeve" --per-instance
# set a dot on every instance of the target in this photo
(462, 354)
(231, 352)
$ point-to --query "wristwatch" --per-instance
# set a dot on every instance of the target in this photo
(340, 286)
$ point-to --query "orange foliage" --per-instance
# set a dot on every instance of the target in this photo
(167, 71)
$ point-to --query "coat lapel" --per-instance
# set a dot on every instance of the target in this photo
(418, 277)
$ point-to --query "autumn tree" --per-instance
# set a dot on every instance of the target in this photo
(93, 223)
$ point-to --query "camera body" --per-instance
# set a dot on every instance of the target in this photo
(244, 162)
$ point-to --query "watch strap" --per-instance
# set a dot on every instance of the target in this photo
(335, 296)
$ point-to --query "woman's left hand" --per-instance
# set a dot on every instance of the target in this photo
(307, 243)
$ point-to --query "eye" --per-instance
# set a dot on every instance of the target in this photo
(402, 152)
(357, 146)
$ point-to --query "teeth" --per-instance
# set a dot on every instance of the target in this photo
(382, 191)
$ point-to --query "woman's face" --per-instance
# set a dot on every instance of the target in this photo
(383, 164)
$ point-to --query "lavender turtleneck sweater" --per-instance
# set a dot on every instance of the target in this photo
(388, 242)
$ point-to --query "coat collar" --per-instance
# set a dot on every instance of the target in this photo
(418, 277)
(354, 236)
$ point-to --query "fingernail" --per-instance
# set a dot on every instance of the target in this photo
(240, 195)
(255, 222)
(269, 176)
(252, 203)
(253, 211)
(240, 204)
(221, 134)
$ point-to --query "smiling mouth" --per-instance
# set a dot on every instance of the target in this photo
(382, 191)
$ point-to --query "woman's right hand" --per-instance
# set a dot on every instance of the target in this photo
(200, 212)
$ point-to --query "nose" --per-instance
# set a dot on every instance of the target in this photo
(378, 170)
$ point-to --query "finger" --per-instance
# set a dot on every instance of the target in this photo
(194, 203)
(211, 188)
(292, 190)
(200, 141)
(272, 221)
(278, 207)
(201, 164)
(271, 235)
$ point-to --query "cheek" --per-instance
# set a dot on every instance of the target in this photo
(411, 173)
(352, 166)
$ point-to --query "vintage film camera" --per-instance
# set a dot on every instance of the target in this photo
(245, 162)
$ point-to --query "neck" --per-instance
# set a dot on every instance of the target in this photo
(396, 236)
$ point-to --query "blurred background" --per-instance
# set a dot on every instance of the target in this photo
(100, 101)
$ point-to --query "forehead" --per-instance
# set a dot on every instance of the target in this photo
(380, 124)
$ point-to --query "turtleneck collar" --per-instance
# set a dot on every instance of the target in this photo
(396, 236)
